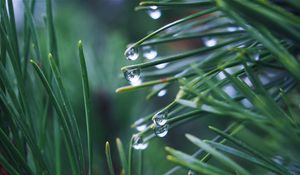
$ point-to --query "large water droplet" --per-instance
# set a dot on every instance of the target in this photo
(161, 66)
(133, 75)
(161, 131)
(154, 13)
(160, 118)
(162, 93)
(132, 53)
(149, 52)
(210, 42)
(138, 143)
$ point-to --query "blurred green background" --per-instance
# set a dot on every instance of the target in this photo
(106, 27)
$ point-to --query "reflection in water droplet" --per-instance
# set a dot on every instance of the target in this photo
(162, 93)
(132, 53)
(154, 12)
(161, 66)
(210, 42)
(149, 52)
(160, 118)
(138, 143)
(161, 131)
(133, 75)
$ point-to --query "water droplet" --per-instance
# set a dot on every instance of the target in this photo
(138, 143)
(162, 93)
(240, 28)
(210, 42)
(278, 159)
(160, 118)
(232, 29)
(161, 66)
(132, 53)
(191, 172)
(256, 56)
(161, 131)
(241, 46)
(133, 75)
(149, 52)
(154, 13)
(158, 86)
(135, 83)
(141, 127)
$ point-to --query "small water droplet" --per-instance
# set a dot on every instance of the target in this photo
(138, 143)
(141, 127)
(256, 57)
(132, 53)
(154, 12)
(160, 118)
(240, 28)
(149, 52)
(161, 131)
(133, 75)
(278, 159)
(158, 86)
(161, 66)
(232, 29)
(191, 172)
(210, 42)
(162, 93)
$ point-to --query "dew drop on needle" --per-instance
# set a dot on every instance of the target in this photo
(138, 142)
(161, 131)
(160, 118)
(149, 52)
(133, 75)
(132, 53)
(154, 12)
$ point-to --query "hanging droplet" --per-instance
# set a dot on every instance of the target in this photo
(256, 56)
(149, 52)
(133, 75)
(162, 93)
(132, 53)
(154, 12)
(191, 172)
(161, 66)
(138, 143)
(232, 29)
(160, 118)
(137, 82)
(161, 131)
(141, 127)
(210, 42)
